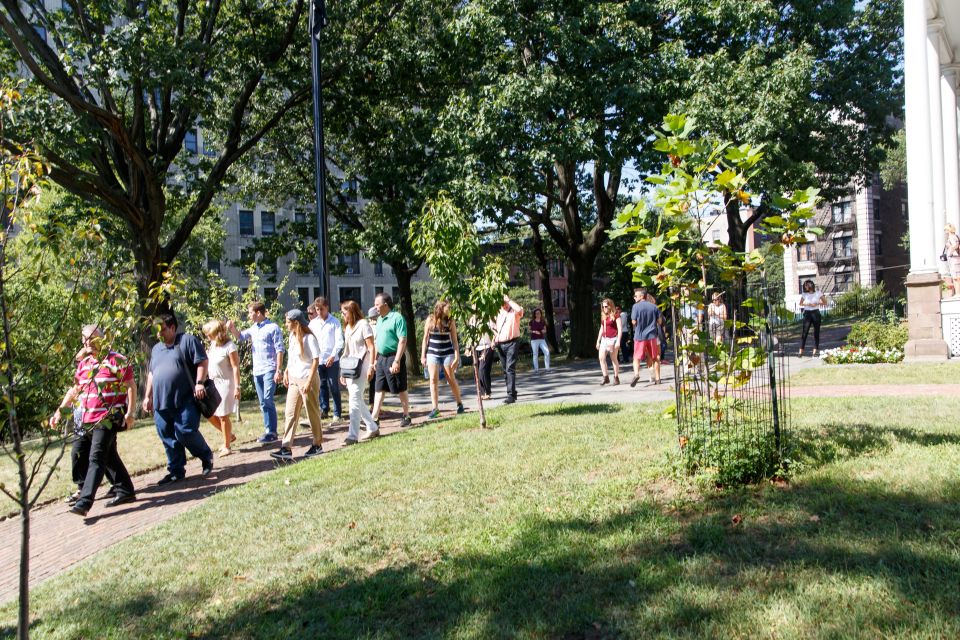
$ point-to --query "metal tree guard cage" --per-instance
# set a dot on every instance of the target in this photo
(732, 382)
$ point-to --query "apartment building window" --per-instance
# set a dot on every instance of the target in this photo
(303, 294)
(805, 251)
(213, 264)
(378, 268)
(247, 257)
(878, 244)
(876, 209)
(844, 281)
(268, 223)
(559, 298)
(351, 189)
(190, 141)
(269, 295)
(841, 212)
(557, 268)
(350, 263)
(349, 293)
(299, 215)
(843, 247)
(246, 223)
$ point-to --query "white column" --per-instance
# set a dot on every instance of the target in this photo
(917, 127)
(951, 150)
(935, 107)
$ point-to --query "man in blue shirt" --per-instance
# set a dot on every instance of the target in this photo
(178, 368)
(646, 320)
(267, 342)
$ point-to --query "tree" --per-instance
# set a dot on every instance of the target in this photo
(119, 94)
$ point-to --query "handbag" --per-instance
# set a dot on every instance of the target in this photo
(351, 366)
(211, 400)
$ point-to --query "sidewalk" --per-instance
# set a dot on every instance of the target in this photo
(61, 539)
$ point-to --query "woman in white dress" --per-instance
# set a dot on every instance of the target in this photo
(225, 373)
(358, 343)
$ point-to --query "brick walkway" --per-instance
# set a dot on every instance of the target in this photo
(61, 539)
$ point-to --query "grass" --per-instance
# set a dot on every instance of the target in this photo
(561, 522)
(140, 449)
(870, 374)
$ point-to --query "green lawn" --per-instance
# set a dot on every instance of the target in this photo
(562, 522)
(140, 449)
(900, 373)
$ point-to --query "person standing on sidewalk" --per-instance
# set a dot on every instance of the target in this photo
(225, 373)
(326, 328)
(105, 391)
(608, 341)
(440, 350)
(538, 342)
(178, 368)
(358, 343)
(391, 370)
(646, 320)
(506, 340)
(624, 335)
(303, 386)
(267, 341)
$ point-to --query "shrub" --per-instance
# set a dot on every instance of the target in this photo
(878, 334)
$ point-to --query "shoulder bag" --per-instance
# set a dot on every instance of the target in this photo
(211, 400)
(351, 366)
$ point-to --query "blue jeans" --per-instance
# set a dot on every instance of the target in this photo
(266, 387)
(330, 376)
(179, 431)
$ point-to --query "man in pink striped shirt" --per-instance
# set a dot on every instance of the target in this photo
(106, 394)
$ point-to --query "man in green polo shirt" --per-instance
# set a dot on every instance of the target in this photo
(391, 342)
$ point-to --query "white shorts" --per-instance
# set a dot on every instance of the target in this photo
(609, 344)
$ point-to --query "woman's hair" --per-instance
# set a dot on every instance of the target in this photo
(949, 228)
(536, 311)
(441, 313)
(351, 312)
(808, 282)
(610, 305)
(216, 330)
(297, 329)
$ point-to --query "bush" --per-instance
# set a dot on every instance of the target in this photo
(860, 355)
(878, 334)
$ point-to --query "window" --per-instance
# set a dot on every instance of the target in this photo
(351, 189)
(268, 223)
(903, 209)
(247, 257)
(378, 268)
(351, 264)
(844, 281)
(246, 223)
(715, 235)
(41, 31)
(377, 291)
(841, 212)
(878, 244)
(213, 264)
(190, 141)
(303, 294)
(349, 293)
(876, 209)
(269, 295)
(299, 215)
(843, 247)
(559, 298)
(805, 251)
(557, 268)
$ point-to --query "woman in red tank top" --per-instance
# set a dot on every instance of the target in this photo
(608, 340)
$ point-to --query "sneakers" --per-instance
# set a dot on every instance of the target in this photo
(509, 400)
(267, 437)
(282, 454)
(314, 451)
(168, 479)
(336, 417)
(405, 422)
(460, 409)
(207, 468)
(433, 414)
(372, 434)
(350, 441)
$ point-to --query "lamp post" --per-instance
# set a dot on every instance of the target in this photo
(318, 20)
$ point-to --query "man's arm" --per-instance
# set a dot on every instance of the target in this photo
(198, 390)
(232, 328)
(148, 394)
(401, 349)
(67, 401)
(279, 350)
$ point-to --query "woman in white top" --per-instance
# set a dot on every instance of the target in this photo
(303, 385)
(224, 370)
(810, 302)
(358, 343)
(951, 249)
(716, 317)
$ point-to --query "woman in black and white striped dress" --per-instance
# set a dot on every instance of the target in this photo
(440, 349)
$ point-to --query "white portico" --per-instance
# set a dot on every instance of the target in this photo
(932, 76)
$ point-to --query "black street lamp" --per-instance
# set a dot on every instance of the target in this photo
(318, 20)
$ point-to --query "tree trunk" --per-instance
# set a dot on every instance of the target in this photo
(404, 279)
(546, 292)
(580, 301)
(23, 606)
(737, 230)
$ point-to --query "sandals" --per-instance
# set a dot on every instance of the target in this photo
(223, 453)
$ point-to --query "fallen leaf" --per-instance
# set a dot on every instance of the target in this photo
(814, 518)
(736, 519)
(352, 525)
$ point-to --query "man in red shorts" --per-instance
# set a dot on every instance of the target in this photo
(646, 319)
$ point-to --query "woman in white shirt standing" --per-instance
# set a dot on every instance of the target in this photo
(951, 251)
(224, 370)
(358, 343)
(810, 302)
(303, 385)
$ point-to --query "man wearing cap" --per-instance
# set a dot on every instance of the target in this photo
(326, 328)
(267, 341)
(391, 343)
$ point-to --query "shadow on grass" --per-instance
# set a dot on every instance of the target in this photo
(837, 442)
(578, 410)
